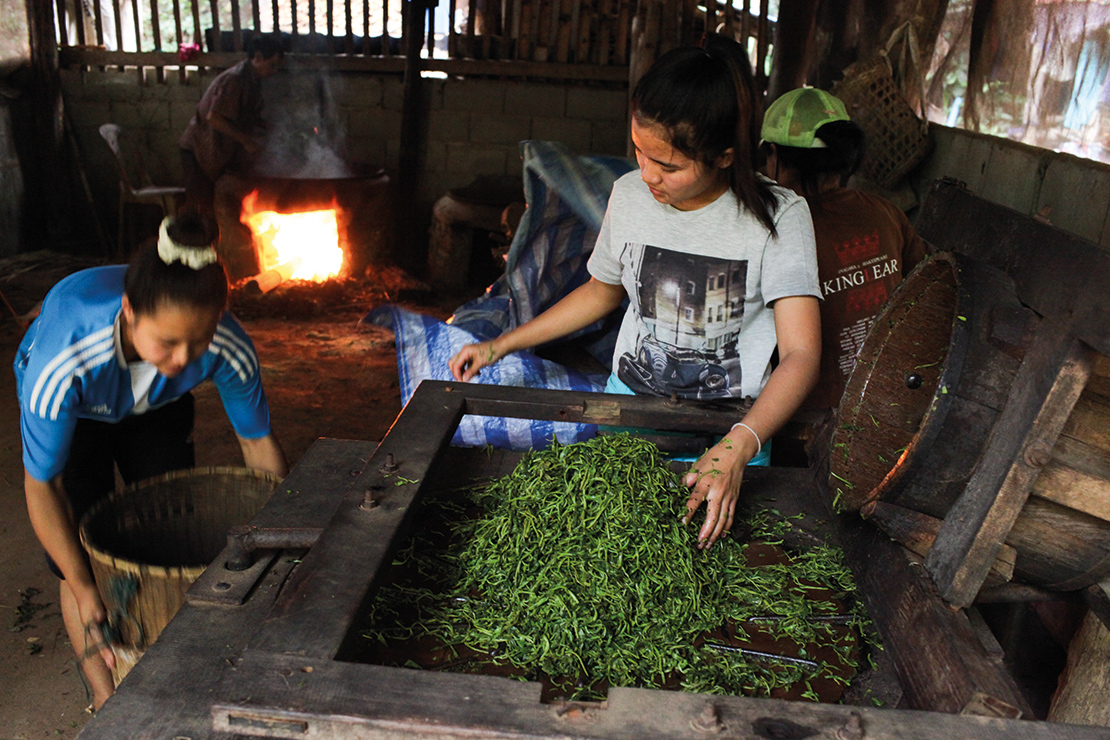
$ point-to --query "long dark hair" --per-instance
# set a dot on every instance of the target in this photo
(705, 99)
(150, 282)
(845, 145)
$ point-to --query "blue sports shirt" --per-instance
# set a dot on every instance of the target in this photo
(70, 365)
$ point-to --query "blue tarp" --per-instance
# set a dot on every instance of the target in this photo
(566, 196)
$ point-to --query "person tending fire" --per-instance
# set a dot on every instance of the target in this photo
(220, 137)
(104, 376)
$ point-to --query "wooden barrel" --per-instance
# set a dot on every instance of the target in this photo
(149, 543)
(931, 380)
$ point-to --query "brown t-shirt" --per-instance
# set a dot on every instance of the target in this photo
(236, 94)
(865, 244)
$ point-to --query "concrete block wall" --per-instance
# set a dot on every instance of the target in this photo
(1073, 193)
(472, 127)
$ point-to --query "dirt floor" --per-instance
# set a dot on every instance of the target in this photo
(325, 375)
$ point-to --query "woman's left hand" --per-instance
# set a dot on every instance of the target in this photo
(715, 479)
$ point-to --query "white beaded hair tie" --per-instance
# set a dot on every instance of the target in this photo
(758, 443)
(170, 251)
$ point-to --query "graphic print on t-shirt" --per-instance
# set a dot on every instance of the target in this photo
(691, 309)
(859, 288)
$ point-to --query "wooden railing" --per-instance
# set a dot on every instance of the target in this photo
(568, 39)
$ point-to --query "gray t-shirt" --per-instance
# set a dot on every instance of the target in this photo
(699, 284)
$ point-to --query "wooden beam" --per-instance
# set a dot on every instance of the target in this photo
(1048, 383)
(940, 661)
(1083, 695)
(312, 616)
(74, 56)
(1038, 257)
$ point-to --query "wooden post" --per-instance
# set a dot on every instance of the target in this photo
(917, 532)
(236, 27)
(198, 35)
(48, 187)
(217, 42)
(794, 39)
(1045, 390)
(413, 122)
(179, 35)
(941, 663)
(1083, 696)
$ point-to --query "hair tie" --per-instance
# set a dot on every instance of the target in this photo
(170, 251)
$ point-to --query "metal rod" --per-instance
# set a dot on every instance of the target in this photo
(763, 656)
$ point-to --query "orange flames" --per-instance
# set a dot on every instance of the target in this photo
(303, 244)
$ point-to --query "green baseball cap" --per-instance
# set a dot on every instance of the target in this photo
(793, 119)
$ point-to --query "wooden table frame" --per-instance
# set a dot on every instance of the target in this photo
(252, 653)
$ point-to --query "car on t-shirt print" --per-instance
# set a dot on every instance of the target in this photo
(692, 308)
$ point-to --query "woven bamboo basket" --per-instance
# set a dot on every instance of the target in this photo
(147, 544)
(897, 138)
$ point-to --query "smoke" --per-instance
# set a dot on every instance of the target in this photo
(306, 138)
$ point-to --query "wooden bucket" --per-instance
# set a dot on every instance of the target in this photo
(149, 543)
(931, 380)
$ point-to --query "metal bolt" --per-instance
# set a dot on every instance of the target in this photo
(709, 720)
(914, 381)
(368, 501)
(673, 400)
(389, 466)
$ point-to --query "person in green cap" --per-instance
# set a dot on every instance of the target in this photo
(865, 244)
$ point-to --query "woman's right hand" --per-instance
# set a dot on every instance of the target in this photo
(93, 617)
(472, 358)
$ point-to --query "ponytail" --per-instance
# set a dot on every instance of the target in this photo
(181, 268)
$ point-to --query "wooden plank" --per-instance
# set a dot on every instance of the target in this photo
(386, 50)
(917, 532)
(348, 16)
(941, 664)
(287, 696)
(79, 22)
(527, 19)
(366, 27)
(256, 17)
(117, 18)
(468, 40)
(217, 43)
(620, 50)
(323, 596)
(1083, 696)
(1039, 257)
(746, 23)
(236, 27)
(1098, 599)
(329, 18)
(312, 18)
(98, 22)
(168, 692)
(178, 35)
(591, 408)
(1045, 389)
(60, 14)
(198, 37)
(73, 56)
(1082, 483)
(763, 41)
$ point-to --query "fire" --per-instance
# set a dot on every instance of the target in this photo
(305, 244)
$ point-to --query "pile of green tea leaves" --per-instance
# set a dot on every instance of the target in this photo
(578, 568)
